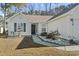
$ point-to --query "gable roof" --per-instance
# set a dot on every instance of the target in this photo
(63, 12)
(33, 18)
(37, 18)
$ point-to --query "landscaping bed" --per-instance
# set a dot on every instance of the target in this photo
(28, 42)
(56, 38)
(58, 41)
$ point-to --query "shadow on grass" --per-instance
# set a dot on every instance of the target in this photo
(27, 42)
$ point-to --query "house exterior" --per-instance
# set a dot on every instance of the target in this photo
(1, 24)
(66, 23)
(21, 24)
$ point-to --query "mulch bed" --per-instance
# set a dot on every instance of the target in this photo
(27, 42)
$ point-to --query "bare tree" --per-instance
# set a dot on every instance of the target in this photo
(31, 8)
(46, 7)
(50, 4)
(39, 8)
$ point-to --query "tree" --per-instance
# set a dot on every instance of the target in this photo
(18, 6)
(31, 8)
(4, 8)
(50, 4)
(39, 8)
(46, 7)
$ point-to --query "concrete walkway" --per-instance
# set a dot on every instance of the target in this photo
(38, 40)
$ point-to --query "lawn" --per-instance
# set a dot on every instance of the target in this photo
(8, 47)
(40, 51)
(9, 43)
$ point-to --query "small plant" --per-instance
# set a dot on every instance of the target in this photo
(44, 34)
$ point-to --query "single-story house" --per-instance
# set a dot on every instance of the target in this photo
(67, 23)
(21, 24)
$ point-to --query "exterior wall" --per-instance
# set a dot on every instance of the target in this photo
(40, 26)
(18, 19)
(64, 25)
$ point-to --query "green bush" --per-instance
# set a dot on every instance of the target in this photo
(44, 34)
(71, 41)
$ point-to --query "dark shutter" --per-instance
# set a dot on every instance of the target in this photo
(24, 27)
(15, 27)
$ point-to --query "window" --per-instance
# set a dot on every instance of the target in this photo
(15, 24)
(24, 27)
(43, 29)
(20, 27)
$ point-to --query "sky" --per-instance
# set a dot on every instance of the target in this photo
(36, 6)
(53, 5)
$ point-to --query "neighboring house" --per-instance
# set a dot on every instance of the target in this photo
(67, 23)
(1, 24)
(21, 24)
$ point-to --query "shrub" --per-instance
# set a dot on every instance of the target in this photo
(53, 35)
(49, 35)
(72, 42)
(44, 34)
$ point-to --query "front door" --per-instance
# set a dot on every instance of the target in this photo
(33, 29)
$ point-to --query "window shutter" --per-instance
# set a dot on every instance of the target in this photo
(24, 27)
(15, 27)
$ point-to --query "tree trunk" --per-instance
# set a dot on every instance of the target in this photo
(4, 20)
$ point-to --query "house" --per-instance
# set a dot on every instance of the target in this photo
(21, 24)
(1, 24)
(66, 23)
